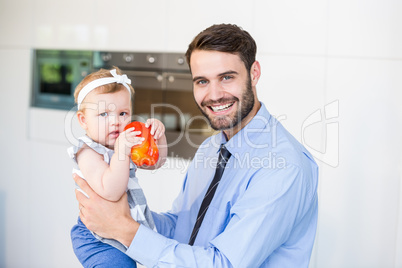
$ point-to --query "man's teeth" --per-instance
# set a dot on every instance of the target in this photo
(221, 107)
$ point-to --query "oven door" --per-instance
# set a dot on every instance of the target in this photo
(56, 73)
(168, 97)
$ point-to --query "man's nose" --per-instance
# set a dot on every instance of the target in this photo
(216, 91)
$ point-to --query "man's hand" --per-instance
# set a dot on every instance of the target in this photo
(106, 218)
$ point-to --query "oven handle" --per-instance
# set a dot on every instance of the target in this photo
(160, 80)
(156, 75)
(179, 81)
(146, 79)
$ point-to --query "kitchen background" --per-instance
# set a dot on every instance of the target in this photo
(331, 72)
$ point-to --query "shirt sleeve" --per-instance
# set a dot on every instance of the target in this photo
(165, 223)
(154, 250)
(260, 222)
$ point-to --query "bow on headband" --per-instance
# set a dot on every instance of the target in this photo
(121, 79)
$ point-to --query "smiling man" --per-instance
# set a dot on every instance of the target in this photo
(256, 207)
(224, 90)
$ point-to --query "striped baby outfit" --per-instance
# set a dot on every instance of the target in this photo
(136, 198)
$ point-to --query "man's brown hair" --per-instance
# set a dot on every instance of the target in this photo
(225, 38)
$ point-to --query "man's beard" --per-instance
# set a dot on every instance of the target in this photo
(244, 108)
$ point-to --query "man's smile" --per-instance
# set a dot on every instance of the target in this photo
(221, 108)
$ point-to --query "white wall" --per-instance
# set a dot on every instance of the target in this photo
(344, 56)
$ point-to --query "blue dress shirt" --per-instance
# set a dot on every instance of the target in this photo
(263, 214)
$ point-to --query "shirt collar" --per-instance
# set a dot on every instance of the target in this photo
(237, 144)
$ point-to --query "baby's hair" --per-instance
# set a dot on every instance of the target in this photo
(104, 89)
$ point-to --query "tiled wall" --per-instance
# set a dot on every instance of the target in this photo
(340, 60)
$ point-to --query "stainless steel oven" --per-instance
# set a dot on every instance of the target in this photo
(55, 75)
(162, 84)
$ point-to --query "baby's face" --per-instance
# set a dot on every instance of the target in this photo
(106, 116)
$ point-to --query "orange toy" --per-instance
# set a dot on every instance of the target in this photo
(147, 152)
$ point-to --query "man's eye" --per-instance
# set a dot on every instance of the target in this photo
(227, 77)
(201, 82)
(103, 114)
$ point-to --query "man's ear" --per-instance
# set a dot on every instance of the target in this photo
(255, 73)
(81, 120)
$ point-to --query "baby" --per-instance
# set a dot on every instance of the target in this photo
(103, 159)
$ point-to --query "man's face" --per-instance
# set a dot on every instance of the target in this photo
(222, 88)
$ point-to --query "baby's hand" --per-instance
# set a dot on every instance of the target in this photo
(157, 128)
(128, 139)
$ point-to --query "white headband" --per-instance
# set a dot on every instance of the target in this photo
(121, 79)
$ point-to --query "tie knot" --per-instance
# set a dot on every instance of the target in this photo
(224, 154)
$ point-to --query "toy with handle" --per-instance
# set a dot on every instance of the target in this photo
(147, 152)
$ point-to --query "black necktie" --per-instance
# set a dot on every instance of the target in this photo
(220, 167)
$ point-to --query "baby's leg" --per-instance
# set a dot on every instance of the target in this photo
(93, 253)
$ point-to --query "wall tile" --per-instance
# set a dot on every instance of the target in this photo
(131, 25)
(54, 209)
(359, 198)
(16, 18)
(370, 28)
(66, 24)
(120, 25)
(64, 130)
(14, 164)
(398, 257)
(293, 90)
(187, 18)
(291, 26)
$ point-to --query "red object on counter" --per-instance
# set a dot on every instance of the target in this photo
(147, 152)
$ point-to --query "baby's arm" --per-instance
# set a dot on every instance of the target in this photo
(109, 181)
(158, 132)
